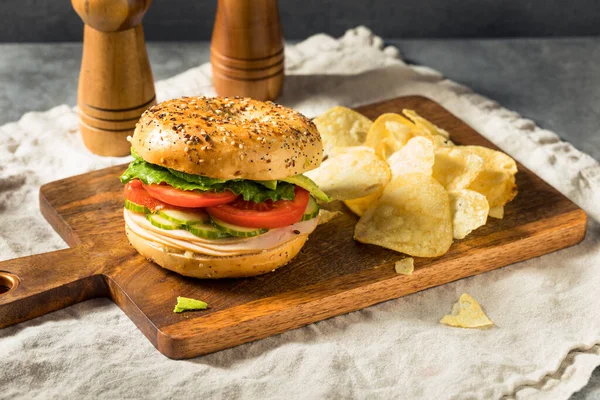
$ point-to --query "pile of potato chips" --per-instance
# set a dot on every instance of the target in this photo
(413, 189)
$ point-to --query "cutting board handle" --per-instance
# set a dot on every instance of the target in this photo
(36, 285)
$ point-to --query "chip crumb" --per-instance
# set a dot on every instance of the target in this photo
(327, 216)
(497, 212)
(467, 313)
(187, 304)
(406, 266)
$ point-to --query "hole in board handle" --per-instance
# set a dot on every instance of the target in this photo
(8, 282)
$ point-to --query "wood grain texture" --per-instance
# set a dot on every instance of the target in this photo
(115, 82)
(332, 275)
(247, 49)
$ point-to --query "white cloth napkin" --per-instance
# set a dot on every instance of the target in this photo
(547, 311)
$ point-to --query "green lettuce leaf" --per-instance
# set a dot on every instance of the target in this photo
(135, 155)
(258, 192)
(268, 184)
(253, 191)
(201, 180)
(152, 174)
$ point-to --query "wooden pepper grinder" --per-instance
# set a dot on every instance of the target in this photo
(247, 49)
(115, 82)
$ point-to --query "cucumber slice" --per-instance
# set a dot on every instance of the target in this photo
(163, 223)
(131, 206)
(206, 231)
(312, 209)
(185, 217)
(235, 230)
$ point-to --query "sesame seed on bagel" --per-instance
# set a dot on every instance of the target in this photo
(228, 138)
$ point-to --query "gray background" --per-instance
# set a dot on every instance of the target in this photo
(554, 81)
(54, 20)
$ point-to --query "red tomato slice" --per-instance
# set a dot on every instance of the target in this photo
(267, 214)
(135, 192)
(189, 198)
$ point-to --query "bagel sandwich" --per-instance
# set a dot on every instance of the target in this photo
(216, 189)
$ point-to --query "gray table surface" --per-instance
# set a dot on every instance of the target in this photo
(555, 82)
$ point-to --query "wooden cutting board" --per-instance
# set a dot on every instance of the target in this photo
(332, 275)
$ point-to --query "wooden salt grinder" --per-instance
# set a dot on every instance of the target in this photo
(115, 82)
(247, 49)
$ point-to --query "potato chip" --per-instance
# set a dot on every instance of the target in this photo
(406, 266)
(438, 136)
(412, 217)
(497, 212)
(351, 172)
(342, 127)
(360, 205)
(469, 211)
(388, 134)
(325, 216)
(467, 313)
(497, 179)
(456, 167)
(424, 124)
(417, 156)
(494, 159)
